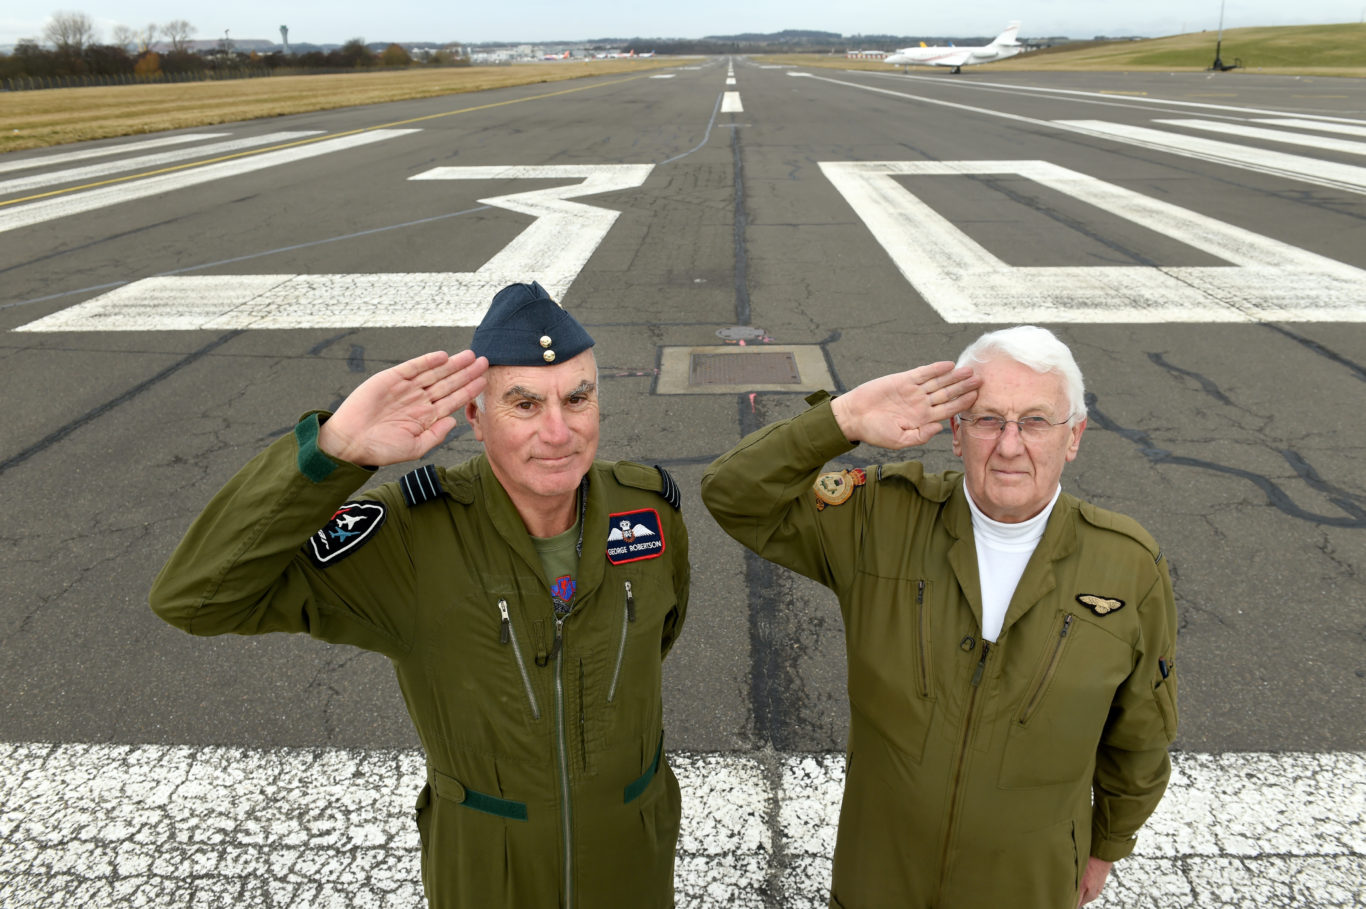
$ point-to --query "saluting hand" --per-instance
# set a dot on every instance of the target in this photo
(905, 408)
(403, 412)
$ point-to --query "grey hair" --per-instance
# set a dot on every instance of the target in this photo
(1040, 350)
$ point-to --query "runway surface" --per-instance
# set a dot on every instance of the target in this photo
(172, 303)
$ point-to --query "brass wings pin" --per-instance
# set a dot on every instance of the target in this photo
(1100, 605)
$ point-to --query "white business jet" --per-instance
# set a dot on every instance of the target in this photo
(1003, 46)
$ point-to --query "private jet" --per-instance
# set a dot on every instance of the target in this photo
(1003, 46)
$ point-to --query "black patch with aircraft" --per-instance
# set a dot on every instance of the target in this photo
(351, 526)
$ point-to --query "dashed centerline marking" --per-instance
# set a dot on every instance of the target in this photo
(170, 827)
(730, 103)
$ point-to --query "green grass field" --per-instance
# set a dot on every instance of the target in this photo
(1320, 50)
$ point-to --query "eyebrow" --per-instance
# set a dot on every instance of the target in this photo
(583, 387)
(518, 392)
(521, 391)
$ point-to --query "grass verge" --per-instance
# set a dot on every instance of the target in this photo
(1301, 50)
(38, 119)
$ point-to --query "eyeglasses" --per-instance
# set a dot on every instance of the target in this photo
(987, 426)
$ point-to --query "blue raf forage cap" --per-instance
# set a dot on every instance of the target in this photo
(525, 327)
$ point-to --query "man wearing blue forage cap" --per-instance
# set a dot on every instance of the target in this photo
(526, 598)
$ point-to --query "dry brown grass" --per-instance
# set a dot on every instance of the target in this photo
(37, 119)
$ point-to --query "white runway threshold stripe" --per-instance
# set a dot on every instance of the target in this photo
(63, 206)
(167, 827)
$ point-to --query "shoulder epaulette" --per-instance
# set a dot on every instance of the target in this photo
(420, 485)
(655, 479)
(669, 489)
(1113, 520)
(937, 487)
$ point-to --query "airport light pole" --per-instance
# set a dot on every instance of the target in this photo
(1218, 65)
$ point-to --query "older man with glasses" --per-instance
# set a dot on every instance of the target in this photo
(1012, 685)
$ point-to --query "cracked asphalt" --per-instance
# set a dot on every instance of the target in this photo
(139, 766)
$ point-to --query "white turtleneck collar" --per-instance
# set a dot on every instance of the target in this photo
(1003, 551)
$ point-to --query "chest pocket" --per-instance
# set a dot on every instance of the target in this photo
(889, 639)
(1055, 725)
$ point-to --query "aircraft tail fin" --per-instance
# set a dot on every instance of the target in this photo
(1007, 37)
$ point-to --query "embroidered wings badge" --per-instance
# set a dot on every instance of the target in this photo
(1100, 605)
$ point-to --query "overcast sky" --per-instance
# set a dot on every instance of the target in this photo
(336, 21)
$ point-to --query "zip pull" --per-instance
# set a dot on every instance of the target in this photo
(559, 636)
(630, 604)
(506, 634)
(920, 592)
(981, 664)
(1066, 626)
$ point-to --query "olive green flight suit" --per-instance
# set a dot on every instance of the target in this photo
(971, 765)
(547, 785)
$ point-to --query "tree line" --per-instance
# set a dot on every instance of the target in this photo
(71, 49)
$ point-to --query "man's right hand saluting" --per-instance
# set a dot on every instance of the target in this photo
(403, 412)
(905, 409)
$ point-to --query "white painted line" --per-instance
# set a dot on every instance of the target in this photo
(1125, 100)
(730, 103)
(663, 76)
(28, 214)
(730, 80)
(554, 248)
(171, 827)
(123, 165)
(103, 151)
(1312, 170)
(965, 283)
(1323, 143)
(1308, 170)
(1346, 129)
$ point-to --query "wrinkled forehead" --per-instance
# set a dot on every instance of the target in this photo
(554, 381)
(1009, 385)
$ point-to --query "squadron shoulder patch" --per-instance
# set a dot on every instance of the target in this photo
(836, 487)
(634, 535)
(353, 524)
(1100, 605)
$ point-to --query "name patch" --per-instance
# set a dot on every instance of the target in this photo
(352, 525)
(634, 535)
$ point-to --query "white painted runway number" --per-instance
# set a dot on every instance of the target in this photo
(1266, 280)
(553, 250)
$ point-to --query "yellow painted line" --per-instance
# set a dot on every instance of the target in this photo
(309, 141)
(1319, 96)
(1108, 92)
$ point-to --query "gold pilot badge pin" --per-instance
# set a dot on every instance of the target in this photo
(836, 487)
(1100, 605)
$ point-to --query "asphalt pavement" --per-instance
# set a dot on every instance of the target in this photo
(1198, 239)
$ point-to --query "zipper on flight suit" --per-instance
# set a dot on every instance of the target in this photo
(923, 633)
(628, 615)
(562, 741)
(507, 635)
(1036, 696)
(968, 718)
